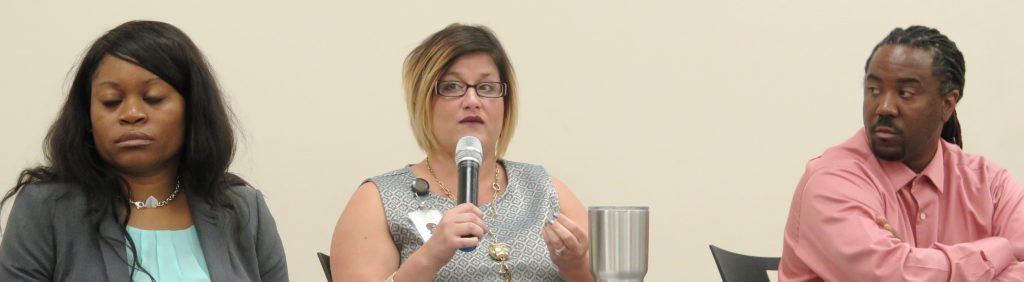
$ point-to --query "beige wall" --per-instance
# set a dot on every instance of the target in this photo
(704, 110)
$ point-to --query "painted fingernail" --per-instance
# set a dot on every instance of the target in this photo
(552, 221)
(556, 215)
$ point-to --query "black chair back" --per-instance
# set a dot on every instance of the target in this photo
(738, 267)
(325, 262)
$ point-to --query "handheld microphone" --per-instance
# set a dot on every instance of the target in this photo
(468, 155)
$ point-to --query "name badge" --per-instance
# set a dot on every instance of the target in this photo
(425, 221)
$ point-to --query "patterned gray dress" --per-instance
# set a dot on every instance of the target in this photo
(529, 201)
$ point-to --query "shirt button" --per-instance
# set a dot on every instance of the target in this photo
(923, 216)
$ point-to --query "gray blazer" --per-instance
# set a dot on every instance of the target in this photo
(49, 237)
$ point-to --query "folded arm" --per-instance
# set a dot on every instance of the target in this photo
(1008, 220)
(842, 241)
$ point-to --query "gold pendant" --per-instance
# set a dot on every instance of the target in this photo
(499, 251)
(506, 274)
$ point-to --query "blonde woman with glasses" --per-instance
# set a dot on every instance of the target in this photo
(406, 225)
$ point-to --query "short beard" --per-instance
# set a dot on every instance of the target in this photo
(889, 155)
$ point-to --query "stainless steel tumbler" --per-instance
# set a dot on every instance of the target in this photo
(618, 243)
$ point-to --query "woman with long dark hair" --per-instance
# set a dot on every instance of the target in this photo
(136, 185)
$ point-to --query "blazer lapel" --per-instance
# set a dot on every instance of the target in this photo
(114, 250)
(211, 226)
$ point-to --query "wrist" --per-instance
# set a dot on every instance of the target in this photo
(424, 261)
(415, 269)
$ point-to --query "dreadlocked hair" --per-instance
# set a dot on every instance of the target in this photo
(948, 67)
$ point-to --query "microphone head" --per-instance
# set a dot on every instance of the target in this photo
(469, 148)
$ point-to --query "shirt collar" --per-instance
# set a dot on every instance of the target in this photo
(899, 174)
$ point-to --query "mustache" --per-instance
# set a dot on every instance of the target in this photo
(887, 122)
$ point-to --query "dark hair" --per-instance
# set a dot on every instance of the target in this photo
(947, 65)
(209, 141)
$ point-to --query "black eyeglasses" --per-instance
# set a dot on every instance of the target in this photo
(483, 89)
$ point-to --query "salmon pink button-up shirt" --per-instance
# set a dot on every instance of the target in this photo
(959, 219)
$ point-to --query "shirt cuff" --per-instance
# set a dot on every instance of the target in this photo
(996, 250)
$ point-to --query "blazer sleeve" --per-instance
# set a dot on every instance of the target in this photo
(269, 250)
(27, 250)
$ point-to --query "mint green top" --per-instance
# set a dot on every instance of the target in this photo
(169, 255)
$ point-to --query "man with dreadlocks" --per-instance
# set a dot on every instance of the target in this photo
(900, 200)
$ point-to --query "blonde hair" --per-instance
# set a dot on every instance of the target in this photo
(431, 59)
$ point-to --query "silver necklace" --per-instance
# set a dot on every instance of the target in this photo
(151, 202)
